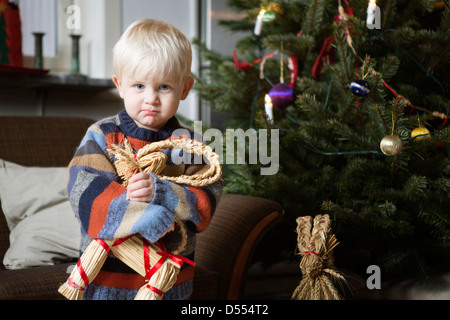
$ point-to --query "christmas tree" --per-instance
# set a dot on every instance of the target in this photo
(360, 101)
(3, 36)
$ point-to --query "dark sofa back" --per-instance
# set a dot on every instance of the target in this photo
(37, 141)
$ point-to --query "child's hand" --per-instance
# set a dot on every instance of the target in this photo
(140, 187)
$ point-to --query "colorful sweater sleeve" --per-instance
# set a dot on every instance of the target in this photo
(99, 200)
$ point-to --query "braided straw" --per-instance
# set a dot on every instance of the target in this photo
(316, 246)
(73, 288)
(149, 159)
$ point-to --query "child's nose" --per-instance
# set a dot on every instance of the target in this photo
(151, 97)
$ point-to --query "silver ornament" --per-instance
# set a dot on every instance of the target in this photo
(391, 145)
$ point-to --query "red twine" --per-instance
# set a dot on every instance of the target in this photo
(315, 253)
(83, 275)
(156, 290)
(103, 244)
(74, 285)
(149, 271)
(80, 268)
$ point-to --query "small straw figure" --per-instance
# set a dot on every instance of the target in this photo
(316, 244)
(151, 260)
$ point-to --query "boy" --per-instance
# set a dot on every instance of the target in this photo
(152, 63)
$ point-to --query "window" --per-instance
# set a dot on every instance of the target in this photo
(184, 16)
(38, 16)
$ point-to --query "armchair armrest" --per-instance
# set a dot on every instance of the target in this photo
(228, 244)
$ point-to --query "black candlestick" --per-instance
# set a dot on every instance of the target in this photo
(75, 64)
(38, 57)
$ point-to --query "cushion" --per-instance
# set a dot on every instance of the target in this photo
(43, 228)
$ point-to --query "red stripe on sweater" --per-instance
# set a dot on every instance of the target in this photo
(100, 208)
(203, 206)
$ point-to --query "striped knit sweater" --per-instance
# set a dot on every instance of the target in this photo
(99, 202)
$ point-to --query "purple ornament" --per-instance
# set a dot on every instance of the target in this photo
(282, 95)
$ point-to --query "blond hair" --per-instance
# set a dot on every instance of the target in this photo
(152, 48)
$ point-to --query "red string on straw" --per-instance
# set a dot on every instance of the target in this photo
(314, 253)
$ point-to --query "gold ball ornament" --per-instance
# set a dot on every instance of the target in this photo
(420, 134)
(438, 5)
(391, 145)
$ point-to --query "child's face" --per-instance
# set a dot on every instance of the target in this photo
(152, 102)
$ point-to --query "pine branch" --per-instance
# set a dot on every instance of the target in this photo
(342, 53)
(313, 17)
(346, 178)
(346, 133)
(308, 103)
(416, 187)
(389, 67)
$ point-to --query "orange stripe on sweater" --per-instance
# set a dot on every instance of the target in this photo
(118, 139)
(203, 206)
(119, 280)
(100, 208)
(134, 280)
(114, 138)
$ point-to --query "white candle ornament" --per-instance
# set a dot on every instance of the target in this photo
(269, 107)
(371, 12)
(258, 24)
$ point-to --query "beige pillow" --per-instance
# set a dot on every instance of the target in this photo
(43, 228)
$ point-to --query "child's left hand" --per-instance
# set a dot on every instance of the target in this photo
(140, 187)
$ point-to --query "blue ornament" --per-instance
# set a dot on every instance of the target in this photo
(360, 88)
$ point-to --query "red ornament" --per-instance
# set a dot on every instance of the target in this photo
(325, 58)
(243, 66)
(326, 55)
(349, 11)
(293, 68)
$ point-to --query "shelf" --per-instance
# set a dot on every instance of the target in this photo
(35, 79)
(45, 84)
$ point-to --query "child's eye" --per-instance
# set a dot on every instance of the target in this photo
(164, 87)
(139, 86)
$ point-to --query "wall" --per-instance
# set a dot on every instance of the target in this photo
(100, 29)
(184, 16)
(102, 23)
(220, 40)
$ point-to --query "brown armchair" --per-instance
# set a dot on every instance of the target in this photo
(223, 253)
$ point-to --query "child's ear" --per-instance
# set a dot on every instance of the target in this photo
(118, 84)
(188, 84)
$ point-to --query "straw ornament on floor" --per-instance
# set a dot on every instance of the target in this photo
(151, 260)
(316, 245)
